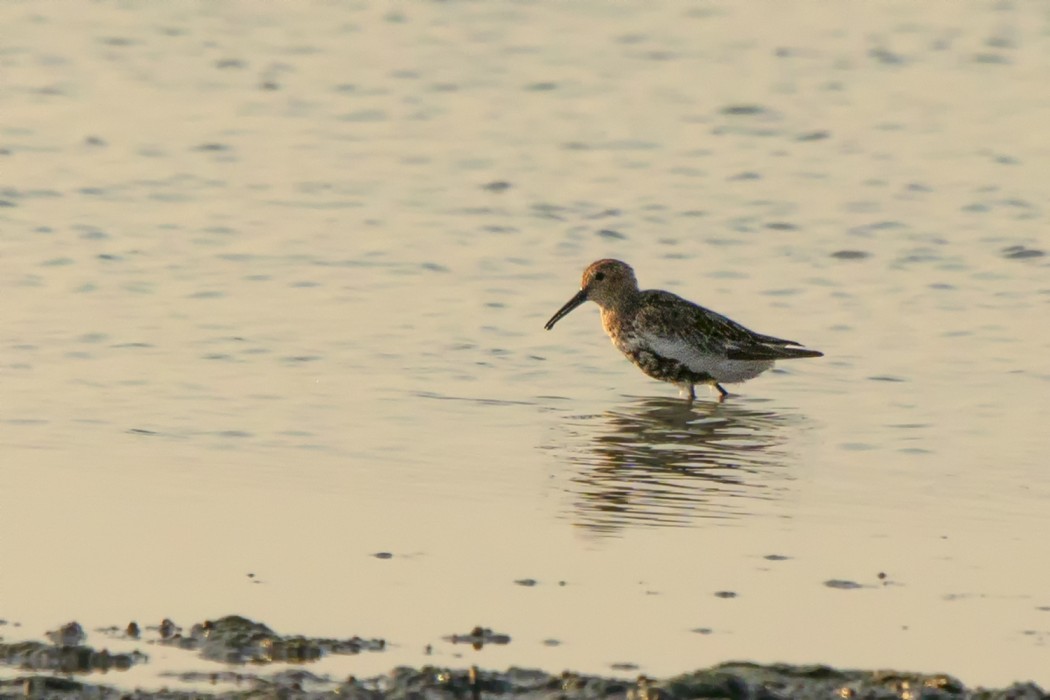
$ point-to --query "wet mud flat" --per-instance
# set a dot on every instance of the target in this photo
(64, 666)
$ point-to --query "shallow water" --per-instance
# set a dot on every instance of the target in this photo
(273, 283)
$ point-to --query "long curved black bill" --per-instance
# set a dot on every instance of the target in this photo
(581, 296)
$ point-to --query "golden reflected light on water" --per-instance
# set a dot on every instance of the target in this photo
(273, 282)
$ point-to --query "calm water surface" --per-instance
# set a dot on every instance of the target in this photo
(273, 280)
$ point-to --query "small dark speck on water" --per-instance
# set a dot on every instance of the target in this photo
(478, 637)
(528, 582)
(623, 666)
(746, 175)
(701, 630)
(434, 267)
(743, 109)
(383, 555)
(885, 56)
(781, 226)
(814, 136)
(776, 557)
(1000, 42)
(496, 186)
(867, 230)
(842, 584)
(301, 358)
(725, 594)
(142, 431)
(885, 378)
(991, 58)
(1019, 252)
(850, 255)
(612, 235)
(551, 642)
(212, 147)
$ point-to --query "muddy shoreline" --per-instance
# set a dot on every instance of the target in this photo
(62, 665)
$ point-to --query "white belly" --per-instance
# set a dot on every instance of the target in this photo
(718, 366)
(732, 371)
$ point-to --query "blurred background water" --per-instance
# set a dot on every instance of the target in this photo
(273, 278)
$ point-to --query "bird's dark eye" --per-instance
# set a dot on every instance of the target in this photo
(598, 277)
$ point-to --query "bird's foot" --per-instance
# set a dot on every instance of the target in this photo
(722, 393)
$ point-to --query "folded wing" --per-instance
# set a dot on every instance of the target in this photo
(692, 334)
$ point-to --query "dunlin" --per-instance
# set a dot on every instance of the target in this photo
(675, 340)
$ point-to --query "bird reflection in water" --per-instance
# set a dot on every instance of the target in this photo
(662, 462)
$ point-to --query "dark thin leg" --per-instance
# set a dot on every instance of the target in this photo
(722, 393)
(692, 394)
